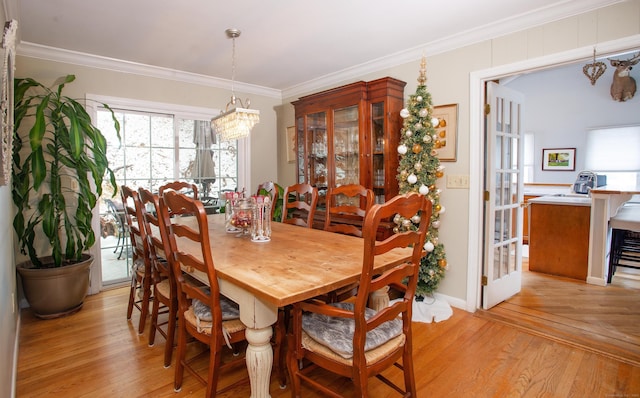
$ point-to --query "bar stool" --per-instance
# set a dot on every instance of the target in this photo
(625, 239)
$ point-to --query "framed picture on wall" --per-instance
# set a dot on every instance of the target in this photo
(446, 131)
(291, 144)
(559, 159)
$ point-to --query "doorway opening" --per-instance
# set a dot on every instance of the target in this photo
(477, 246)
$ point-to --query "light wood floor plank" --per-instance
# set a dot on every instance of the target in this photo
(98, 353)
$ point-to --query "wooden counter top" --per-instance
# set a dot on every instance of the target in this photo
(618, 189)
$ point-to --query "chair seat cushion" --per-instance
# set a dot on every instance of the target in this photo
(228, 327)
(230, 310)
(337, 333)
(371, 356)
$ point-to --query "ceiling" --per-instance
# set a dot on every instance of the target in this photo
(284, 44)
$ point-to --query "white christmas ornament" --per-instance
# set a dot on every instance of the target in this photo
(402, 149)
(423, 112)
(426, 139)
(428, 247)
(408, 133)
(417, 166)
(412, 179)
(441, 209)
(404, 113)
(418, 126)
(423, 189)
(436, 224)
(435, 122)
(419, 98)
(406, 223)
(415, 219)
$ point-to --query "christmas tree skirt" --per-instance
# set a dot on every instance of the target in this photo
(430, 310)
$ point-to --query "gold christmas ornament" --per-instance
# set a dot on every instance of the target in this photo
(439, 174)
(443, 123)
(437, 207)
(417, 148)
(442, 133)
(438, 144)
(442, 263)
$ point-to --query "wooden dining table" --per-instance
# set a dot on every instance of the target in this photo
(296, 264)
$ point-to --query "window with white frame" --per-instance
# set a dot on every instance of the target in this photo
(162, 142)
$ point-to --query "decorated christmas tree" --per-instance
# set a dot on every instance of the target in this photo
(418, 171)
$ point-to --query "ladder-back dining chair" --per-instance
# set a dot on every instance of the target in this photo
(184, 187)
(350, 339)
(347, 206)
(165, 298)
(141, 272)
(203, 314)
(299, 204)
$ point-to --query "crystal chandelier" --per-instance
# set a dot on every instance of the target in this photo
(236, 122)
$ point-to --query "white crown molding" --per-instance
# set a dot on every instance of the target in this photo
(516, 23)
(27, 49)
(503, 27)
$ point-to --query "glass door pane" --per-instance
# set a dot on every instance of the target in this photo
(317, 148)
(377, 140)
(346, 146)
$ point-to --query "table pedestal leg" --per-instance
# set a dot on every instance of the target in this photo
(259, 360)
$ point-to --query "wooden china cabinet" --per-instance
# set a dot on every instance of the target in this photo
(350, 135)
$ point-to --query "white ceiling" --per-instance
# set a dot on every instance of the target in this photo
(284, 43)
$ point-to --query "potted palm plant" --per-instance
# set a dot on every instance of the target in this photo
(59, 166)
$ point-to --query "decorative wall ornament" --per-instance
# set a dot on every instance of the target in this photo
(6, 100)
(623, 86)
(594, 70)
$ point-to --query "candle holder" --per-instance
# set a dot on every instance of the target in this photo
(261, 227)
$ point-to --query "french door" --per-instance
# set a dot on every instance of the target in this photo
(504, 143)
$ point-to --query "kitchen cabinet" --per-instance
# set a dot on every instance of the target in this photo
(559, 236)
(350, 135)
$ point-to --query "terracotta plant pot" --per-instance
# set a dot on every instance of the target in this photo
(55, 292)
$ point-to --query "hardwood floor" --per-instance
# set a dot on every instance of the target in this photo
(605, 320)
(98, 353)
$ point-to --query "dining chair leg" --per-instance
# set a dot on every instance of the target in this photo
(213, 372)
(180, 356)
(144, 305)
(154, 322)
(171, 331)
(132, 294)
(279, 352)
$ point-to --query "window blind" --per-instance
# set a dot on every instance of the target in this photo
(613, 149)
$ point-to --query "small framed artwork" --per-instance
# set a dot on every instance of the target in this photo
(446, 131)
(559, 159)
(291, 144)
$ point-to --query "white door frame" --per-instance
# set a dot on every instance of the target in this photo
(477, 80)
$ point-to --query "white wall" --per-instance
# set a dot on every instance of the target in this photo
(448, 80)
(561, 105)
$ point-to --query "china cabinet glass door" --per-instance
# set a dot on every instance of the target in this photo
(346, 147)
